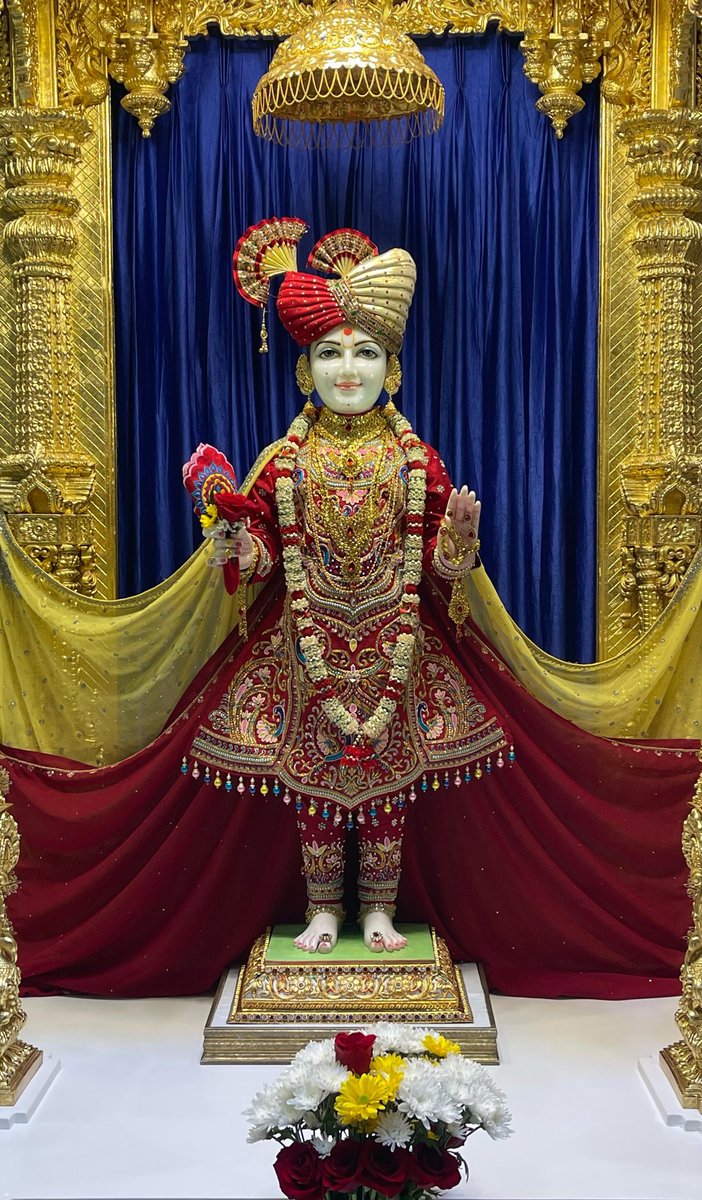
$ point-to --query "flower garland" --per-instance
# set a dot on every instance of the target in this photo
(361, 734)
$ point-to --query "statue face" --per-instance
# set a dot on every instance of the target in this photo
(348, 369)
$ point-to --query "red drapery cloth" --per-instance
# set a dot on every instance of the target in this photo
(563, 874)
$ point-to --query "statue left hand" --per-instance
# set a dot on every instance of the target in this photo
(463, 514)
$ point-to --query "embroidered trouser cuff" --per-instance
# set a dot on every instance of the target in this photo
(379, 869)
(323, 867)
(380, 853)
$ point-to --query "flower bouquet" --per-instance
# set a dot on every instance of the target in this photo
(210, 480)
(375, 1114)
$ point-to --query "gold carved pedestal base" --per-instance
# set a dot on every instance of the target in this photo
(681, 1069)
(268, 1009)
(17, 1066)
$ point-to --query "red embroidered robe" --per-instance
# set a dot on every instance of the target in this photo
(267, 723)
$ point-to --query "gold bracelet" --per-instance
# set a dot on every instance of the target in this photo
(461, 547)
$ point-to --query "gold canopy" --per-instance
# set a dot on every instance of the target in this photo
(347, 76)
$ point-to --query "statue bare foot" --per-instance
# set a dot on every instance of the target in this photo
(320, 934)
(379, 933)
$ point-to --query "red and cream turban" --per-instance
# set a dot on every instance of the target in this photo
(372, 291)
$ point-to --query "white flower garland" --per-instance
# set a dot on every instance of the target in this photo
(317, 669)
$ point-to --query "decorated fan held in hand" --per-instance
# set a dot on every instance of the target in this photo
(211, 482)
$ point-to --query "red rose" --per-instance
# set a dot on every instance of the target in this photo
(385, 1170)
(431, 1167)
(341, 1169)
(233, 506)
(299, 1171)
(354, 1050)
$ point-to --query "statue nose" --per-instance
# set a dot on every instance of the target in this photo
(348, 367)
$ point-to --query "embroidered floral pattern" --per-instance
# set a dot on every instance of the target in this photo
(276, 719)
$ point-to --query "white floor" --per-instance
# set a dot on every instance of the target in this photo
(133, 1114)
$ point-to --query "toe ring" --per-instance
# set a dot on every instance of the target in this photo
(376, 936)
(325, 939)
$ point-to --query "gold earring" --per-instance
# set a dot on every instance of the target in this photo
(393, 376)
(303, 375)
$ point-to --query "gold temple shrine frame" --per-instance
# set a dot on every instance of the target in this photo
(57, 418)
(57, 413)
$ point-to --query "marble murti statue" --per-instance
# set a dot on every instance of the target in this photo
(347, 699)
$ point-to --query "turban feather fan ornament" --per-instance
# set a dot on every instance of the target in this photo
(371, 291)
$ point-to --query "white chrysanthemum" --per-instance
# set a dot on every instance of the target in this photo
(393, 1130)
(310, 1083)
(324, 1145)
(471, 1086)
(422, 1096)
(397, 1039)
(462, 1075)
(489, 1107)
(315, 1054)
(270, 1110)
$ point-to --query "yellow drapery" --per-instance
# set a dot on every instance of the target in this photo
(95, 680)
(651, 690)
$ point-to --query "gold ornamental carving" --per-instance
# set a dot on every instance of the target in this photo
(626, 75)
(563, 45)
(351, 66)
(46, 473)
(682, 1062)
(81, 67)
(18, 1060)
(5, 64)
(428, 990)
(662, 477)
(143, 45)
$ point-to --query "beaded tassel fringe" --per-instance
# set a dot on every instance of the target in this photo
(220, 779)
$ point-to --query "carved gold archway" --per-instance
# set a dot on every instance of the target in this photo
(57, 439)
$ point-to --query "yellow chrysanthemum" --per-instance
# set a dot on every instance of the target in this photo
(209, 517)
(361, 1098)
(440, 1046)
(392, 1067)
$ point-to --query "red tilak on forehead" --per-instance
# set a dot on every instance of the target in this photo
(348, 331)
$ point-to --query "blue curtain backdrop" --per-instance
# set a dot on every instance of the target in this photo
(500, 356)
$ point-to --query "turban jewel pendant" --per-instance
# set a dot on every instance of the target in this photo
(369, 290)
(350, 77)
(265, 250)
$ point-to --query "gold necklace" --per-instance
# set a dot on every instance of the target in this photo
(352, 531)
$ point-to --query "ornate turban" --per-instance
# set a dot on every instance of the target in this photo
(371, 291)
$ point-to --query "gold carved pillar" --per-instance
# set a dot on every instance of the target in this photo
(662, 476)
(682, 1062)
(45, 484)
(18, 1061)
